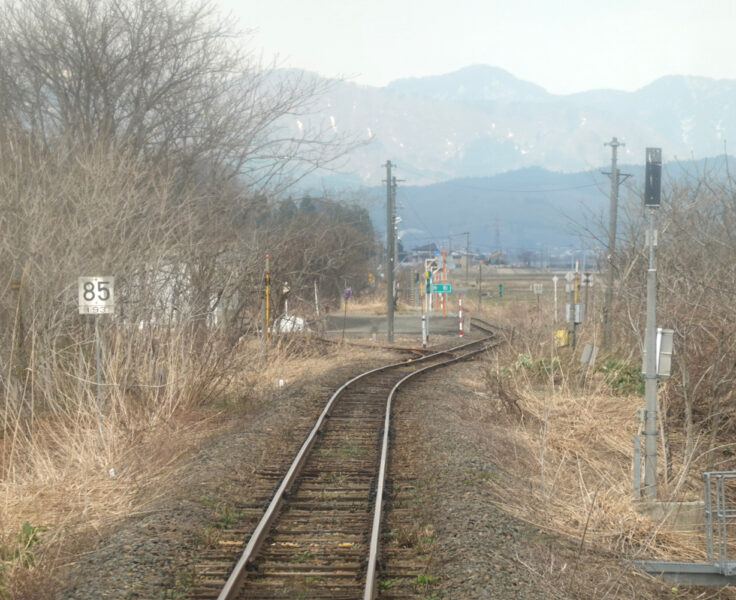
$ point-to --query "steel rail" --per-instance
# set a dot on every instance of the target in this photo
(371, 584)
(485, 325)
(260, 533)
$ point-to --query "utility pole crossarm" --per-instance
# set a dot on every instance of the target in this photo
(621, 176)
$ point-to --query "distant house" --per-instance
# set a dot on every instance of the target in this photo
(428, 250)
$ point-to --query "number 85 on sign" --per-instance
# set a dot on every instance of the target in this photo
(96, 295)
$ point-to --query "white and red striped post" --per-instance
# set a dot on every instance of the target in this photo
(460, 313)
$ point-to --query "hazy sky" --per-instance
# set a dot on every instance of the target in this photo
(563, 45)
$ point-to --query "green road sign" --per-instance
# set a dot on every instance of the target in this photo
(442, 288)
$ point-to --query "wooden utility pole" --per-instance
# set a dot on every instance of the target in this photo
(467, 255)
(390, 251)
(586, 283)
(616, 179)
(480, 285)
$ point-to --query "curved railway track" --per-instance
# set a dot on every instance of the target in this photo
(319, 536)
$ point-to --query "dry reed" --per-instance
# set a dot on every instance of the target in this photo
(575, 449)
(76, 471)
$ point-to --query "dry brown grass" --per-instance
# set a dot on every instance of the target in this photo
(374, 304)
(76, 475)
(574, 448)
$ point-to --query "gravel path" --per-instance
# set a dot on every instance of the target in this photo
(471, 545)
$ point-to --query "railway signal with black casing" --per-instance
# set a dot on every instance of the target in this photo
(653, 184)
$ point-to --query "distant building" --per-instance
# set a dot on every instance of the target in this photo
(428, 250)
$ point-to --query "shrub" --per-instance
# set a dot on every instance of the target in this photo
(623, 377)
(540, 368)
(18, 553)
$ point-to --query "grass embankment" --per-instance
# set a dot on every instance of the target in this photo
(69, 474)
(571, 445)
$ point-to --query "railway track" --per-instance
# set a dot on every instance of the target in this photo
(319, 535)
(485, 326)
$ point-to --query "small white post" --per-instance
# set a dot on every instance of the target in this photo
(460, 313)
(98, 368)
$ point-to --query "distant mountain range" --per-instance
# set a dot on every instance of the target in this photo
(529, 212)
(520, 211)
(483, 152)
(480, 121)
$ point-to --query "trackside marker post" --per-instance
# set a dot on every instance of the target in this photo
(460, 313)
(97, 297)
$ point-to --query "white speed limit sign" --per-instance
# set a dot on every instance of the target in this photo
(96, 295)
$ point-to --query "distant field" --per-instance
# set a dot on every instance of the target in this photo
(501, 286)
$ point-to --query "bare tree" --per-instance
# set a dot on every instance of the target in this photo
(327, 242)
(139, 140)
(163, 79)
(696, 278)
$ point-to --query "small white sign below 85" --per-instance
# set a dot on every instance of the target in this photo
(96, 295)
